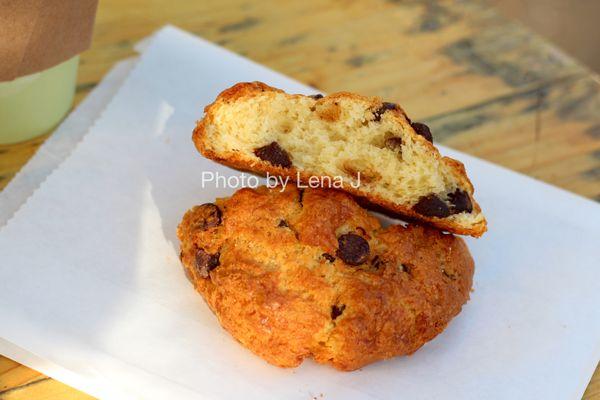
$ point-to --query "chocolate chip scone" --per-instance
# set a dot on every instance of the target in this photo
(297, 274)
(372, 146)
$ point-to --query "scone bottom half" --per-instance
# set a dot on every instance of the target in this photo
(310, 274)
(383, 158)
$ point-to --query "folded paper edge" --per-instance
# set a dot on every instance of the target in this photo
(11, 202)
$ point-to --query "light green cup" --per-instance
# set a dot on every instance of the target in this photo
(33, 104)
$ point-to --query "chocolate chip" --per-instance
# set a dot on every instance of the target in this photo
(461, 202)
(394, 143)
(432, 206)
(353, 249)
(283, 224)
(274, 154)
(205, 262)
(206, 216)
(336, 310)
(316, 96)
(384, 107)
(328, 257)
(422, 130)
(301, 197)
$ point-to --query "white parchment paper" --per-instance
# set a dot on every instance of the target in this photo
(91, 283)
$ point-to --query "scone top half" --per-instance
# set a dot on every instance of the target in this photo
(378, 153)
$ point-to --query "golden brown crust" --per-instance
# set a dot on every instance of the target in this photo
(249, 89)
(277, 293)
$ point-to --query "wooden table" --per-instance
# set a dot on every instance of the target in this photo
(485, 85)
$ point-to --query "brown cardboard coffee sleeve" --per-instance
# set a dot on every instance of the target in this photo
(38, 34)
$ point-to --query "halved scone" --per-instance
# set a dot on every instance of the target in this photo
(372, 147)
(310, 274)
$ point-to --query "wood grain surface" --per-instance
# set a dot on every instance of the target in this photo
(486, 86)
